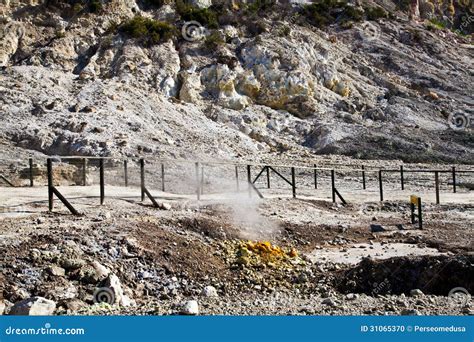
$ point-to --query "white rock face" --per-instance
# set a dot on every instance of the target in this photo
(201, 3)
(35, 306)
(10, 35)
(190, 88)
(191, 307)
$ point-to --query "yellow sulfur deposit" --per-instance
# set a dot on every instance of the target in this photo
(264, 251)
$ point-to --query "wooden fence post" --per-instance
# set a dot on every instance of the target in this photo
(102, 180)
(162, 177)
(125, 172)
(333, 186)
(30, 161)
(84, 171)
(249, 179)
(402, 180)
(268, 177)
(454, 178)
(198, 181)
(142, 178)
(293, 181)
(363, 177)
(50, 183)
(381, 185)
(237, 178)
(437, 186)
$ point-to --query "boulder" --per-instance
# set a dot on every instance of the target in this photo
(191, 307)
(35, 306)
(114, 286)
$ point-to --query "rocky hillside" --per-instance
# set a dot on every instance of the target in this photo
(231, 79)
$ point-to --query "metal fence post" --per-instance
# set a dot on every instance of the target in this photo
(293, 181)
(102, 184)
(363, 177)
(437, 186)
(402, 180)
(31, 171)
(454, 178)
(142, 178)
(125, 172)
(198, 181)
(381, 185)
(49, 167)
(333, 186)
(162, 177)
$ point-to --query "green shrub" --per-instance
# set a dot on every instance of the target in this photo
(438, 23)
(375, 13)
(353, 14)
(404, 5)
(213, 41)
(204, 16)
(326, 12)
(95, 6)
(149, 31)
(259, 5)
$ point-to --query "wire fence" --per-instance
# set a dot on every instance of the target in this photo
(184, 177)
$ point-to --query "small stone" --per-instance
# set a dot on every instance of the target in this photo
(416, 292)
(35, 306)
(410, 312)
(56, 271)
(191, 307)
(72, 264)
(352, 296)
(209, 291)
(329, 302)
(88, 109)
(376, 228)
(101, 271)
(165, 206)
(2, 307)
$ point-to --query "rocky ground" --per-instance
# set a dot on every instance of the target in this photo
(273, 256)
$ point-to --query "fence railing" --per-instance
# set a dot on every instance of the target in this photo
(264, 172)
